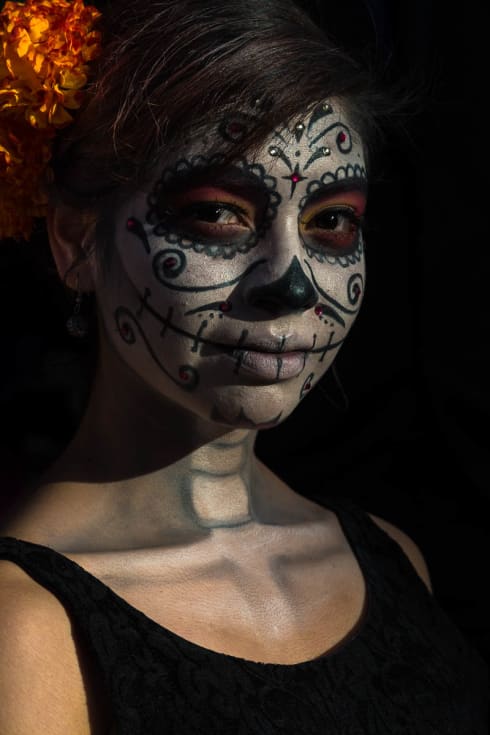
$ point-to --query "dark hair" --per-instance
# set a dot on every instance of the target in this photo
(170, 67)
(167, 69)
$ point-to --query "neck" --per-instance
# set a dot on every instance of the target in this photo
(167, 465)
(219, 481)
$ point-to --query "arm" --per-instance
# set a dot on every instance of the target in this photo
(42, 687)
(407, 545)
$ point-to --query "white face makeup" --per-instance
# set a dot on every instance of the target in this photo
(231, 292)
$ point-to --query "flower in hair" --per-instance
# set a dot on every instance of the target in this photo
(45, 47)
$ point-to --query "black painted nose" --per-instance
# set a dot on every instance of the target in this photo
(293, 291)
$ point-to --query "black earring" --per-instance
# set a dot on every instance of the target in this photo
(77, 324)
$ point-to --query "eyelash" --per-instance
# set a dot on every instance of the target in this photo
(176, 219)
(346, 212)
(227, 206)
(332, 241)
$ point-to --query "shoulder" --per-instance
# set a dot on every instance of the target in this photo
(409, 547)
(43, 673)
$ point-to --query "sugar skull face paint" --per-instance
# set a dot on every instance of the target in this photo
(234, 287)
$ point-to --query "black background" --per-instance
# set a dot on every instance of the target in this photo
(412, 443)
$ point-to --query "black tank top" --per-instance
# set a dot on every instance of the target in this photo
(405, 669)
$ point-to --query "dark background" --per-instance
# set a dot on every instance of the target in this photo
(404, 428)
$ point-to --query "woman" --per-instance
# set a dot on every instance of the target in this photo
(160, 578)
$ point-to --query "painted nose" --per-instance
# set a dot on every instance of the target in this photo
(293, 291)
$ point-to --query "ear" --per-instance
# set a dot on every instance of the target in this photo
(72, 239)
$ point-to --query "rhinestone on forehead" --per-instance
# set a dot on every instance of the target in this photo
(274, 150)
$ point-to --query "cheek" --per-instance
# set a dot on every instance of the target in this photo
(171, 271)
(342, 291)
(345, 285)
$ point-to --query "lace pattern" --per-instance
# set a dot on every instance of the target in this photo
(405, 669)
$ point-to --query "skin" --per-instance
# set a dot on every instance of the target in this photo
(160, 493)
(165, 452)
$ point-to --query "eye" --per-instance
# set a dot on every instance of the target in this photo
(214, 213)
(336, 229)
(208, 215)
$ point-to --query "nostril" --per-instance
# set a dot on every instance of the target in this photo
(272, 306)
(293, 291)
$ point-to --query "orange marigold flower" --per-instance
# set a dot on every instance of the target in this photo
(44, 49)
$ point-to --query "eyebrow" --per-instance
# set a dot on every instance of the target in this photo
(231, 178)
(355, 184)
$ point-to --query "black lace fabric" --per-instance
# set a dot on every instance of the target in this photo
(405, 669)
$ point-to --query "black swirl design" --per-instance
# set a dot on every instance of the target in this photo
(343, 139)
(234, 128)
(331, 301)
(207, 287)
(129, 327)
(169, 263)
(355, 288)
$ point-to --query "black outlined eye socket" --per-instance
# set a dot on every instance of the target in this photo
(336, 229)
(247, 185)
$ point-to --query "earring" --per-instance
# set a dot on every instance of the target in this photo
(76, 324)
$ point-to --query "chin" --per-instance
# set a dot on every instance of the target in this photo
(252, 407)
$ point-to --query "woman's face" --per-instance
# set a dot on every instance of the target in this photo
(232, 290)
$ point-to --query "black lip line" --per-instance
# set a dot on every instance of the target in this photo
(167, 324)
(279, 366)
(241, 356)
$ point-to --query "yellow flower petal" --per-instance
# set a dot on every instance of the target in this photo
(38, 28)
(44, 47)
(72, 79)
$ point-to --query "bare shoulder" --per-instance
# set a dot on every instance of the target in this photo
(45, 679)
(409, 546)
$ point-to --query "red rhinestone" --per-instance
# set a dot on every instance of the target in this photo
(225, 306)
(319, 310)
(170, 262)
(342, 137)
(295, 178)
(131, 224)
(308, 386)
(183, 374)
